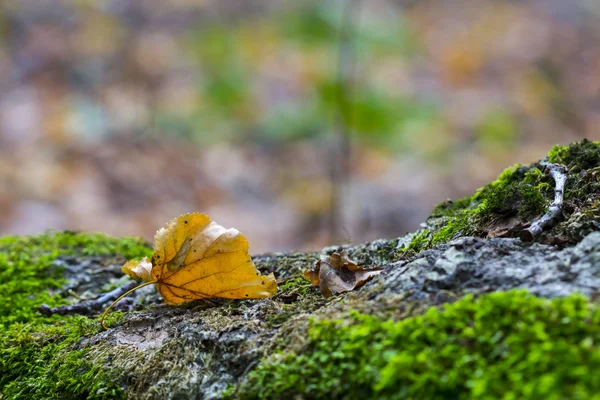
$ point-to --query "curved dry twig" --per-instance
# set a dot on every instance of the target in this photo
(90, 307)
(559, 174)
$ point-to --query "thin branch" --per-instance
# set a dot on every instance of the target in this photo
(559, 174)
(340, 166)
(114, 303)
(90, 307)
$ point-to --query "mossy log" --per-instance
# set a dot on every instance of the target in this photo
(463, 309)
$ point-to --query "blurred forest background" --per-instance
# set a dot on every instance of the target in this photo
(118, 115)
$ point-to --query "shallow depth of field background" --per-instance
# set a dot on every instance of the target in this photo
(118, 115)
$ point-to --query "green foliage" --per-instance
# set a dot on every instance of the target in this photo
(312, 25)
(234, 99)
(497, 130)
(316, 24)
(502, 345)
(228, 393)
(37, 359)
(373, 114)
(226, 83)
(292, 120)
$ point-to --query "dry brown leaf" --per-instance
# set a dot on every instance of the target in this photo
(339, 274)
(195, 259)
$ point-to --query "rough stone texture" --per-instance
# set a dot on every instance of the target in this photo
(202, 350)
(197, 351)
(477, 266)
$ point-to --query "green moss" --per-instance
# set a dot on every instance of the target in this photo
(28, 275)
(42, 362)
(582, 189)
(420, 240)
(521, 194)
(512, 198)
(297, 291)
(533, 176)
(515, 192)
(284, 265)
(502, 345)
(577, 156)
(388, 252)
(458, 226)
(557, 153)
(276, 319)
(451, 208)
(295, 296)
(38, 355)
(295, 284)
(229, 392)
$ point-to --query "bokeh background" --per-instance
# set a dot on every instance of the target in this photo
(301, 123)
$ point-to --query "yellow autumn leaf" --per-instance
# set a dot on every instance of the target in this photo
(195, 258)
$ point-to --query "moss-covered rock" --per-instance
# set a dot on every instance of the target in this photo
(501, 345)
(521, 194)
(399, 336)
(40, 357)
(157, 352)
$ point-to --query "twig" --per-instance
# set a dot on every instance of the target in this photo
(559, 174)
(340, 162)
(90, 307)
(114, 303)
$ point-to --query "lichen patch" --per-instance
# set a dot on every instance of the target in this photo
(140, 339)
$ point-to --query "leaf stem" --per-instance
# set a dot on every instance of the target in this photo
(119, 299)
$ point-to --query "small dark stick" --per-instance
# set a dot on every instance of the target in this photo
(559, 174)
(90, 307)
